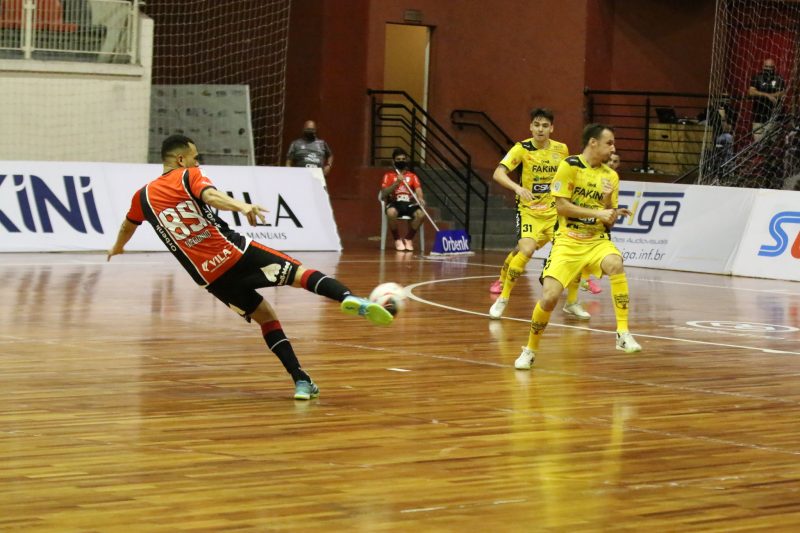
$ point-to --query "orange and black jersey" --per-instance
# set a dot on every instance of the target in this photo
(203, 243)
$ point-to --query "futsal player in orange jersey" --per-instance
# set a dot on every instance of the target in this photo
(179, 205)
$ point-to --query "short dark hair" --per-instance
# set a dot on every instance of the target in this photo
(594, 131)
(174, 142)
(542, 112)
(399, 151)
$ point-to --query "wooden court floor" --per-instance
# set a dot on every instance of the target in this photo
(130, 400)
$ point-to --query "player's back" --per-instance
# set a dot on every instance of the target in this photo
(199, 239)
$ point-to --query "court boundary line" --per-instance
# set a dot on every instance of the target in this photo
(416, 298)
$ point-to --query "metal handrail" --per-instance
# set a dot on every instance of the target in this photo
(457, 117)
(640, 122)
(428, 137)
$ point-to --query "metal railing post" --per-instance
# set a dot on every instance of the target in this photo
(29, 7)
(133, 41)
(646, 155)
(373, 129)
(413, 140)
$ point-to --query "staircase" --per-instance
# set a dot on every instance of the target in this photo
(500, 215)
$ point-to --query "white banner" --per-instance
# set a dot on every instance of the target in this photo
(681, 227)
(770, 246)
(53, 206)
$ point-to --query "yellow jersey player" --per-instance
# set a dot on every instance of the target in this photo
(587, 284)
(585, 190)
(536, 213)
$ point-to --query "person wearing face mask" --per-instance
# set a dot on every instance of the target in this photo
(766, 89)
(396, 190)
(310, 151)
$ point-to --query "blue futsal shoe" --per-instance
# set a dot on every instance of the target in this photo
(305, 390)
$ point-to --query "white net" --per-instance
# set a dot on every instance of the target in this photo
(752, 114)
(221, 50)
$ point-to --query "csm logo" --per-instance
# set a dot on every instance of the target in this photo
(28, 203)
(778, 234)
(648, 209)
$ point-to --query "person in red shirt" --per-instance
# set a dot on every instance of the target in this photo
(396, 190)
(180, 206)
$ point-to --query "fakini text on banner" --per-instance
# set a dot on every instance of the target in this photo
(49, 206)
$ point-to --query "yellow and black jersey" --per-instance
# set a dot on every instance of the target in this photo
(539, 165)
(582, 185)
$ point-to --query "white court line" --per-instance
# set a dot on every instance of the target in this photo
(410, 288)
(651, 280)
(541, 370)
(77, 263)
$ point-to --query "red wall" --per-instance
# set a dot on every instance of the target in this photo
(662, 45)
(503, 57)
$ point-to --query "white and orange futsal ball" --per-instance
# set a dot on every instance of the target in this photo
(392, 296)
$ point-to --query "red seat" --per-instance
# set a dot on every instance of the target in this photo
(49, 16)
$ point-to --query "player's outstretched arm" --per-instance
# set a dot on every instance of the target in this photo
(126, 231)
(220, 200)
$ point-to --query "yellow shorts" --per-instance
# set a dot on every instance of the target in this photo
(538, 228)
(569, 258)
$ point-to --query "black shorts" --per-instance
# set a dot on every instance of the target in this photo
(404, 209)
(259, 267)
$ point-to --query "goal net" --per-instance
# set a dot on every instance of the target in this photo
(752, 138)
(219, 75)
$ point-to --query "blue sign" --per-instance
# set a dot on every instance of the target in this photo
(454, 241)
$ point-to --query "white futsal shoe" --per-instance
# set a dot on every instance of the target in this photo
(525, 359)
(627, 343)
(576, 310)
(497, 308)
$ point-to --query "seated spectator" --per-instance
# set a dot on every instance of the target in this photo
(396, 192)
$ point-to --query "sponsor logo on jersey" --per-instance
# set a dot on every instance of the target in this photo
(210, 265)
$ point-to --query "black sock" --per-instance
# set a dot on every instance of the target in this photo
(395, 234)
(318, 283)
(277, 342)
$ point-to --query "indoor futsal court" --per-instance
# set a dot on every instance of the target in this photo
(134, 401)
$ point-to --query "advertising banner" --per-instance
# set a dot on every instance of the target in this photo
(681, 227)
(55, 206)
(455, 241)
(770, 246)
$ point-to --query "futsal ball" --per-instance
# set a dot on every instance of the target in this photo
(392, 296)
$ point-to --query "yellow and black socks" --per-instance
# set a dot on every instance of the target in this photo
(279, 345)
(515, 269)
(572, 290)
(539, 321)
(619, 295)
(506, 263)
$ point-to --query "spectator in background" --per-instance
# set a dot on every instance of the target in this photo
(791, 159)
(309, 151)
(766, 89)
(396, 190)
